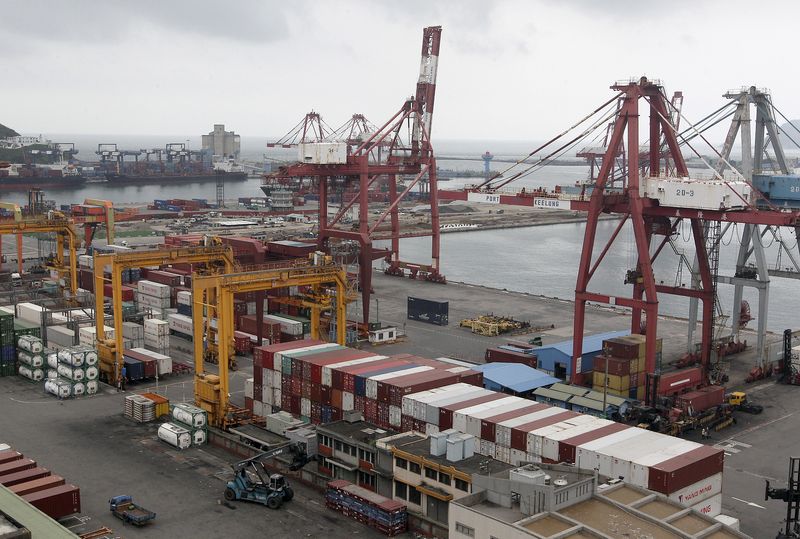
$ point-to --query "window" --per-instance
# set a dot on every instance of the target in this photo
(465, 530)
(338, 445)
(413, 467)
(414, 496)
(366, 479)
(444, 478)
(325, 440)
(391, 334)
(430, 473)
(401, 463)
(348, 449)
(400, 490)
(462, 485)
(367, 456)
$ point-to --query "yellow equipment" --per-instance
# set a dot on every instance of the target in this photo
(108, 216)
(490, 325)
(53, 222)
(737, 398)
(217, 259)
(211, 390)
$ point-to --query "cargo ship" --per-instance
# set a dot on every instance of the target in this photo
(167, 177)
(25, 176)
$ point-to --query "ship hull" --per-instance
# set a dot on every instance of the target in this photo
(16, 183)
(140, 179)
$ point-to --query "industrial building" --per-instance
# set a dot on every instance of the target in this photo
(222, 143)
(514, 378)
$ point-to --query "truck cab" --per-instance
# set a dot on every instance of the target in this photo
(16, 279)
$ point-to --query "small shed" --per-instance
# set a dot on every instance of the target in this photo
(551, 397)
(556, 359)
(383, 335)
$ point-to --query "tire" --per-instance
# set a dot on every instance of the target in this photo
(288, 494)
(274, 502)
(229, 494)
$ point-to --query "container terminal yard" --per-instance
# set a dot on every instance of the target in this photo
(219, 368)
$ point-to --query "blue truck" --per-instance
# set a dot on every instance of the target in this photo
(128, 512)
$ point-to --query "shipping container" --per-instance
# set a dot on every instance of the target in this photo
(23, 476)
(503, 355)
(488, 425)
(519, 434)
(426, 310)
(679, 381)
(446, 412)
(681, 471)
(700, 400)
(10, 455)
(568, 446)
(57, 502)
(17, 465)
(35, 485)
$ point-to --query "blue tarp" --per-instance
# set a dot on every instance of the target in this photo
(514, 376)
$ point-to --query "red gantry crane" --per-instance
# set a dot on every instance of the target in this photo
(400, 148)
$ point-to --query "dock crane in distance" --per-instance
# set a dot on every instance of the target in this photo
(91, 221)
(790, 495)
(259, 485)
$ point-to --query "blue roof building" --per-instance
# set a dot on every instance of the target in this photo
(513, 378)
(556, 359)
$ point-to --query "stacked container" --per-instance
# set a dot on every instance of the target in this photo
(8, 352)
(74, 368)
(30, 357)
(134, 333)
(620, 369)
(180, 324)
(184, 303)
(156, 335)
(320, 381)
(387, 516)
(153, 296)
(193, 419)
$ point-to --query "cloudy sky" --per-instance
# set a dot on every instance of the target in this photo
(507, 71)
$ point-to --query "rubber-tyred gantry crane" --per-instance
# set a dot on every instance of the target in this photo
(384, 154)
(655, 204)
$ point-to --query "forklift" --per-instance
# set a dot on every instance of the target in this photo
(253, 483)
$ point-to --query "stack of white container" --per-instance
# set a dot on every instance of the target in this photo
(156, 335)
(59, 337)
(140, 409)
(134, 333)
(29, 355)
(188, 418)
(153, 296)
(87, 335)
(72, 371)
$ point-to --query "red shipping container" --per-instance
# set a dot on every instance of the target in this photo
(489, 424)
(296, 387)
(248, 404)
(382, 419)
(286, 402)
(519, 434)
(18, 465)
(622, 347)
(414, 383)
(295, 405)
(316, 392)
(471, 377)
(43, 483)
(567, 448)
(446, 412)
(127, 292)
(702, 399)
(681, 471)
(257, 390)
(286, 383)
(359, 403)
(164, 277)
(494, 355)
(336, 400)
(616, 366)
(56, 502)
(150, 367)
(305, 386)
(23, 476)
(316, 412)
(258, 373)
(406, 423)
(680, 381)
(8, 455)
(370, 410)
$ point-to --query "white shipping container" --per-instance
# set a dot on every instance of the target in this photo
(394, 415)
(414, 402)
(698, 492)
(431, 429)
(640, 467)
(181, 324)
(517, 457)
(175, 436)
(534, 438)
(184, 297)
(258, 408)
(155, 302)
(710, 507)
(60, 335)
(153, 289)
(460, 416)
(86, 261)
(248, 388)
(58, 387)
(276, 397)
(729, 521)
(88, 335)
(474, 420)
(266, 396)
(327, 371)
(348, 401)
(132, 330)
(503, 454)
(305, 407)
(586, 456)
(153, 326)
(266, 378)
(91, 373)
(322, 153)
(29, 312)
(615, 460)
(277, 358)
(292, 327)
(486, 448)
(432, 408)
(550, 443)
(697, 194)
(502, 435)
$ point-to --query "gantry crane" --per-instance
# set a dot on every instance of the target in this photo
(382, 155)
(90, 222)
(217, 260)
(211, 391)
(56, 222)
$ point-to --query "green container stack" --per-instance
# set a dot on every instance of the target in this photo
(8, 347)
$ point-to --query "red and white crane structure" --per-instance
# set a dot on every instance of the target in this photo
(400, 148)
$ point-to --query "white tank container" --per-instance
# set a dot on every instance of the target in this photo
(90, 357)
(190, 415)
(199, 437)
(59, 388)
(52, 374)
(174, 435)
(78, 389)
(29, 343)
(69, 356)
(91, 373)
(33, 360)
(31, 373)
(92, 386)
(71, 373)
(52, 360)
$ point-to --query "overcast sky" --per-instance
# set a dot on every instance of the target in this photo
(507, 70)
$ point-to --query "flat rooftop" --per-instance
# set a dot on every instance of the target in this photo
(360, 431)
(481, 464)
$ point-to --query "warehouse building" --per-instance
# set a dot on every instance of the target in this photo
(514, 378)
(556, 359)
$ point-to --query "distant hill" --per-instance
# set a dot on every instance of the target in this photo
(790, 131)
(7, 132)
